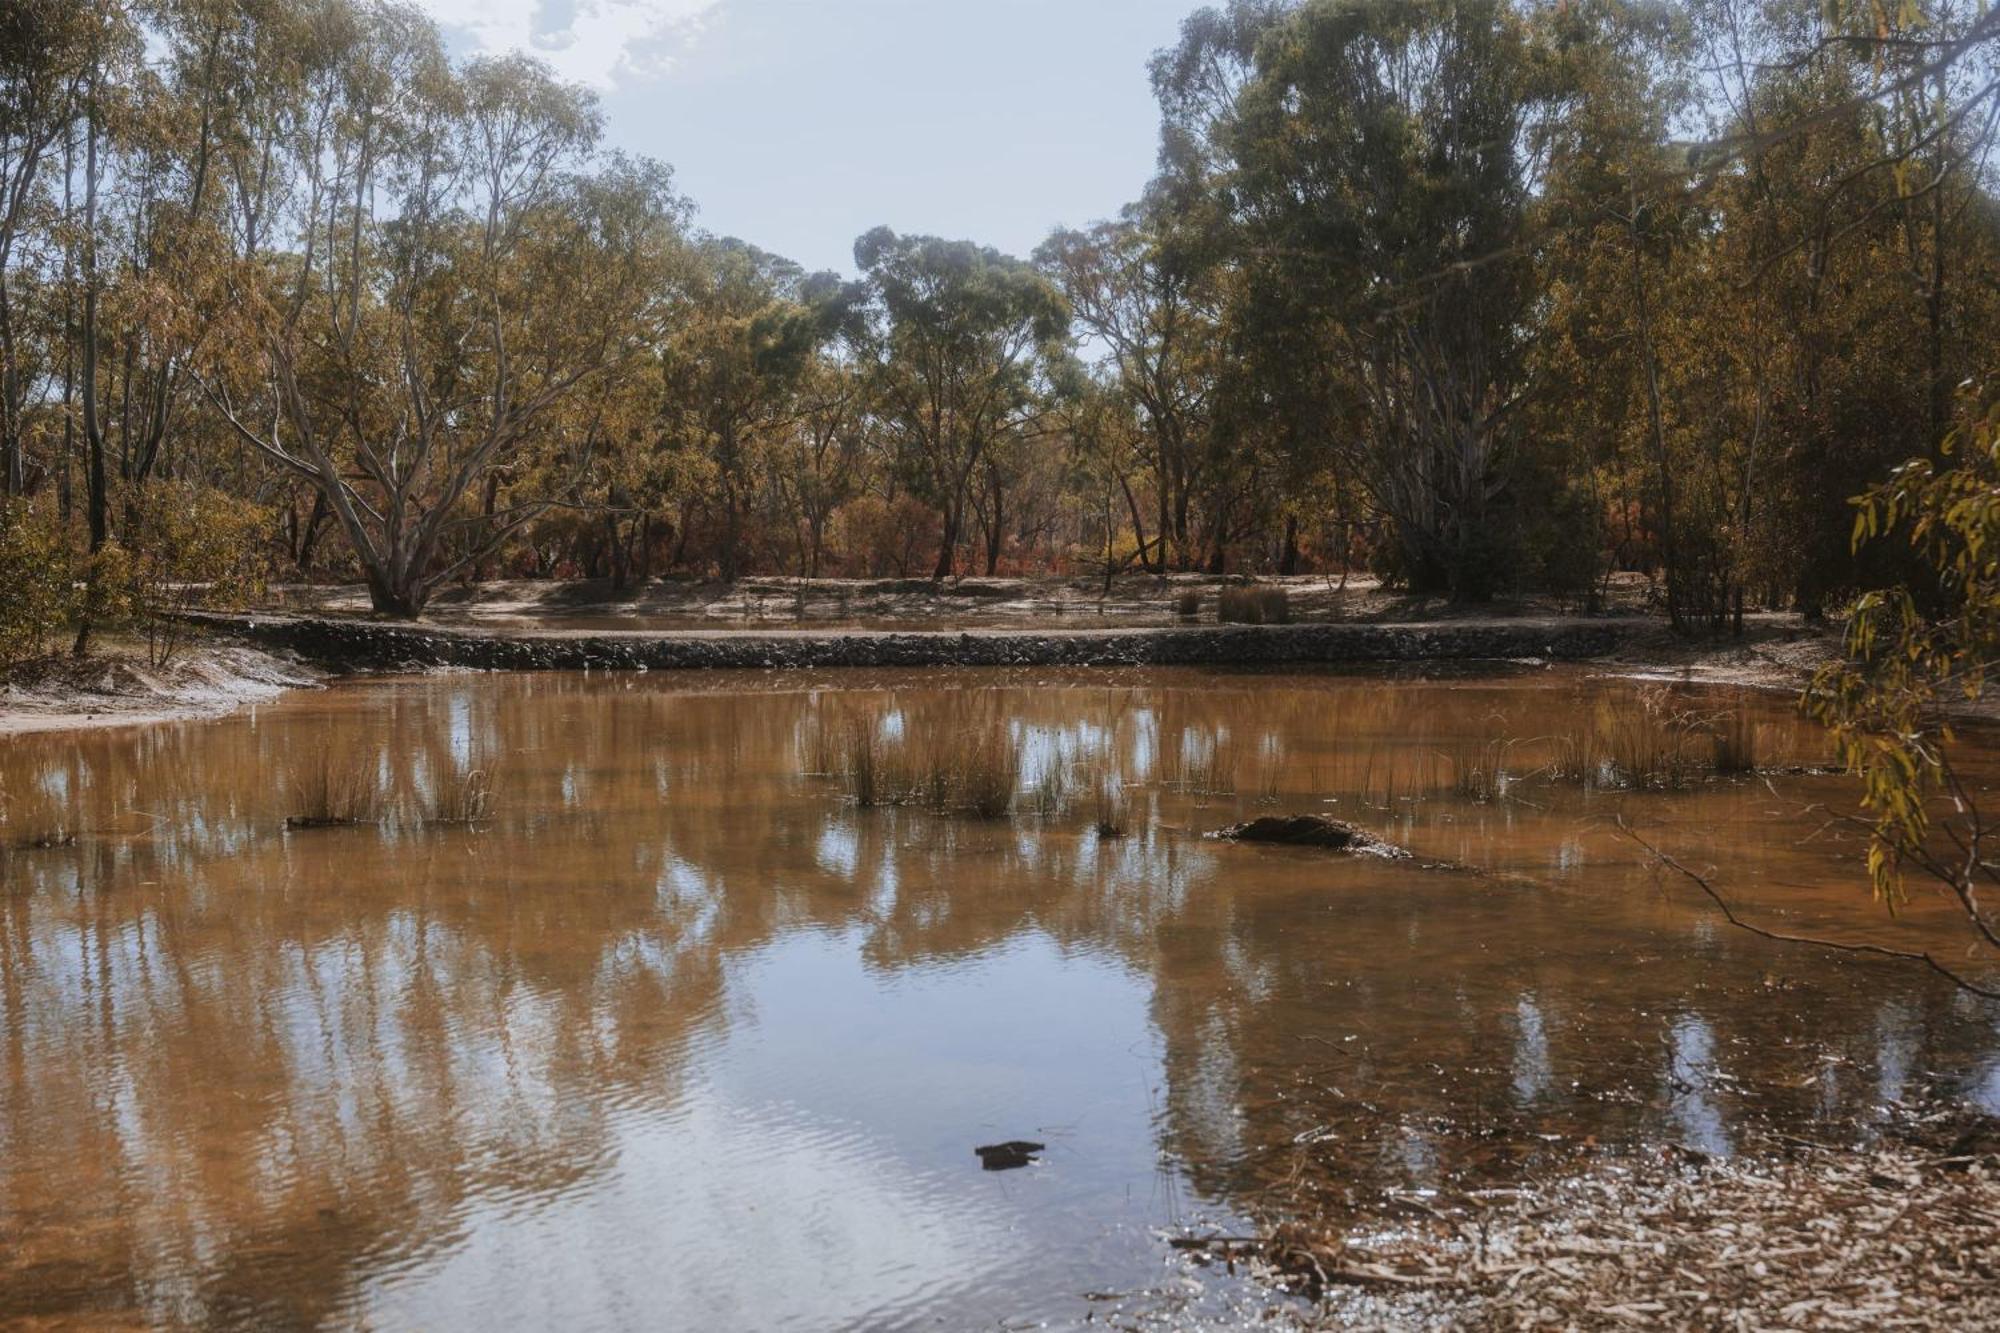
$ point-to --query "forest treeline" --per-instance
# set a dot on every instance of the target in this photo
(1487, 296)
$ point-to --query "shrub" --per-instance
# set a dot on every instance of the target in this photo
(1188, 604)
(38, 576)
(1258, 604)
(187, 548)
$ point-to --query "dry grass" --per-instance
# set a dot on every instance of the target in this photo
(1256, 604)
(956, 769)
(1188, 605)
(466, 798)
(1479, 768)
(1734, 741)
(1655, 744)
(333, 791)
(1112, 808)
(1205, 767)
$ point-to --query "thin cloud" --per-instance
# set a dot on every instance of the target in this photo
(597, 42)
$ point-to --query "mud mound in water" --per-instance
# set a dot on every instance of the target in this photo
(1308, 831)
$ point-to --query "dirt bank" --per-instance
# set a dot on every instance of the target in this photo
(118, 687)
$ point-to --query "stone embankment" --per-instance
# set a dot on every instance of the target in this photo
(366, 645)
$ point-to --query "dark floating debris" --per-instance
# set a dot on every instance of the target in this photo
(1008, 1156)
(1309, 831)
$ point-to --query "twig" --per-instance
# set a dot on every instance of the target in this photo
(1875, 950)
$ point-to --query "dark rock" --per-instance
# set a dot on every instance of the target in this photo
(1307, 831)
(1010, 1156)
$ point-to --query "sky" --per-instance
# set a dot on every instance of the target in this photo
(800, 124)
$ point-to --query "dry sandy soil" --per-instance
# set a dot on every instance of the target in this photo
(117, 686)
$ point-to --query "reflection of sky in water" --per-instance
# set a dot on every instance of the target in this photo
(1532, 1074)
(1691, 1084)
(800, 1184)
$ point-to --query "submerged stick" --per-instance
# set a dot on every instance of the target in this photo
(1840, 946)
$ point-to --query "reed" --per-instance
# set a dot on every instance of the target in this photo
(1054, 789)
(466, 798)
(1575, 757)
(1188, 605)
(1733, 740)
(1479, 768)
(956, 769)
(41, 828)
(1256, 604)
(819, 746)
(1112, 808)
(988, 771)
(328, 791)
(1654, 744)
(1206, 768)
(860, 763)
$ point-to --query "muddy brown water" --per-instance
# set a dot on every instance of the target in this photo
(680, 1037)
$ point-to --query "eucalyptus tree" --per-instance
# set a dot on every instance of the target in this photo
(46, 53)
(1158, 316)
(821, 461)
(750, 328)
(1383, 196)
(445, 286)
(960, 339)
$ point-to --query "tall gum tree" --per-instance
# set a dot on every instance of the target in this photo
(452, 283)
(1383, 194)
(961, 334)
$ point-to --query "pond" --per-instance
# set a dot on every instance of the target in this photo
(673, 1032)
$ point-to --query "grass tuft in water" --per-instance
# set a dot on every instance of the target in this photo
(958, 769)
(1112, 807)
(466, 799)
(330, 791)
(1733, 736)
(1479, 768)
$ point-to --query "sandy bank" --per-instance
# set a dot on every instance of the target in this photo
(119, 688)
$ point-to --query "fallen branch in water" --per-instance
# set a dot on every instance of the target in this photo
(1839, 946)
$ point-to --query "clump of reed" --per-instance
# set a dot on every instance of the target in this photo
(464, 798)
(1655, 744)
(1111, 807)
(1479, 768)
(332, 791)
(1188, 604)
(1206, 766)
(820, 746)
(1054, 788)
(1575, 757)
(973, 770)
(1734, 741)
(984, 771)
(1254, 604)
(40, 828)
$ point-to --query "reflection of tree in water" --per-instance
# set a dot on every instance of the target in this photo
(246, 1071)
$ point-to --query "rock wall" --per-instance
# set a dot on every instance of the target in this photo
(362, 645)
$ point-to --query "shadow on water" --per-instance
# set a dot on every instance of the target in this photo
(664, 1021)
